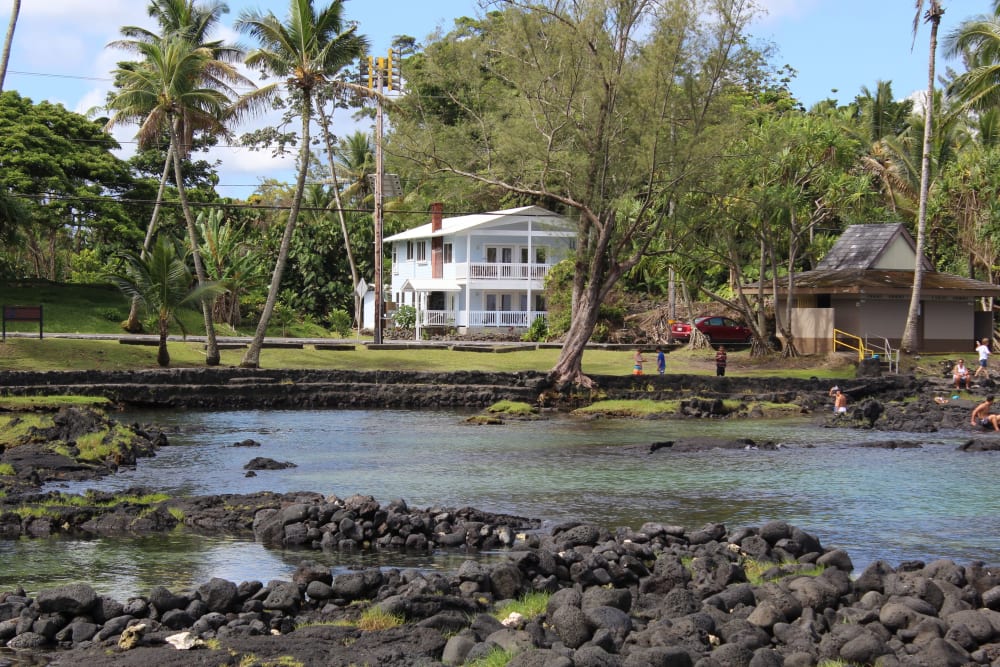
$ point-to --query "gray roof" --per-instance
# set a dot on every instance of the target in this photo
(860, 246)
(864, 281)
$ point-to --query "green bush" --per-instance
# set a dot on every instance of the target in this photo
(112, 315)
(405, 317)
(537, 332)
(340, 322)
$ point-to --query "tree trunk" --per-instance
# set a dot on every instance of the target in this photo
(162, 355)
(569, 368)
(910, 339)
(252, 357)
(132, 324)
(211, 346)
(5, 58)
(325, 124)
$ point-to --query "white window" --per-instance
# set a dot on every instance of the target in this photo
(409, 250)
(421, 251)
(447, 253)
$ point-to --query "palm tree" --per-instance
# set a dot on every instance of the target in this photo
(355, 156)
(163, 284)
(5, 58)
(194, 23)
(229, 261)
(978, 41)
(933, 16)
(305, 51)
(160, 93)
(325, 121)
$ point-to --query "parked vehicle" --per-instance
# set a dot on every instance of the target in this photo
(717, 329)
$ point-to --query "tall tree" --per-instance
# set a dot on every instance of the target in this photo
(306, 51)
(61, 168)
(193, 22)
(582, 106)
(933, 15)
(8, 41)
(159, 93)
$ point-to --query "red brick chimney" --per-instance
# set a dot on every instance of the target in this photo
(437, 208)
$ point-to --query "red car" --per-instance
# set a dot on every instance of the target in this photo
(716, 328)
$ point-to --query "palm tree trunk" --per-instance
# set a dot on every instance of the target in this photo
(325, 124)
(162, 354)
(132, 323)
(910, 339)
(252, 357)
(211, 346)
(5, 58)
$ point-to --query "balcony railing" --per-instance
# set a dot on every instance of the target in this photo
(508, 271)
(479, 318)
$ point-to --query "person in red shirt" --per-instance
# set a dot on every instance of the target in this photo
(720, 361)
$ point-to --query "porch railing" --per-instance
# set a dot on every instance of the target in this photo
(437, 318)
(502, 318)
(479, 318)
(507, 271)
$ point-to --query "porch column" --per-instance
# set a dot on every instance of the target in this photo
(468, 282)
(531, 272)
(417, 303)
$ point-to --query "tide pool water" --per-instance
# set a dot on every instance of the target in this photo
(892, 504)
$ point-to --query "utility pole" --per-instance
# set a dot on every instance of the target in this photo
(381, 72)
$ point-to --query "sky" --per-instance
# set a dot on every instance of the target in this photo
(837, 47)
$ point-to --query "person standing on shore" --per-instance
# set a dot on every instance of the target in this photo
(661, 361)
(984, 356)
(637, 362)
(839, 401)
(720, 361)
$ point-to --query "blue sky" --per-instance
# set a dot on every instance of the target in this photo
(59, 51)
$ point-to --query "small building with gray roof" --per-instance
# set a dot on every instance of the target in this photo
(862, 288)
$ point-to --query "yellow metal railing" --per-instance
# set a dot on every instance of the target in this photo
(864, 349)
(859, 347)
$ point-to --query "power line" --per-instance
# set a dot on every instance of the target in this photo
(237, 205)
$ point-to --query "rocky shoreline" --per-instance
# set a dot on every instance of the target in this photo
(660, 595)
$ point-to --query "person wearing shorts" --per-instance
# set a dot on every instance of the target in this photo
(981, 416)
(984, 356)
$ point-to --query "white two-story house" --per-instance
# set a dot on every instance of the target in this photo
(480, 271)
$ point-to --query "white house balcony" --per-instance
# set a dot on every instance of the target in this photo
(502, 271)
(479, 319)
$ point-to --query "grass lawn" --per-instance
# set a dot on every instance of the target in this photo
(100, 310)
(76, 354)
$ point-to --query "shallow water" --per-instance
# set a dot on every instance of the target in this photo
(932, 502)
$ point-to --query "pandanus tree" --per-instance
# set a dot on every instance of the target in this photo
(304, 52)
(162, 283)
(193, 22)
(163, 92)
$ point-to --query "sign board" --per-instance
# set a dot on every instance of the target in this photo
(391, 185)
(361, 288)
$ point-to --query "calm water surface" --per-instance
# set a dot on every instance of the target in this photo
(877, 503)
